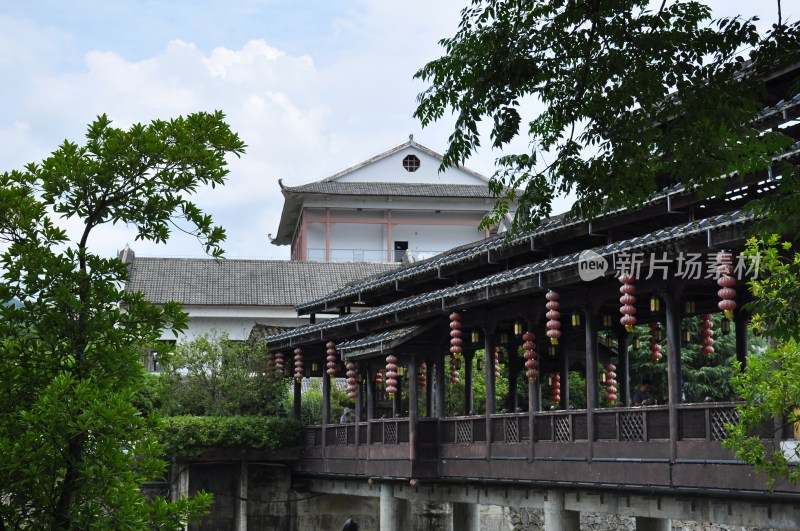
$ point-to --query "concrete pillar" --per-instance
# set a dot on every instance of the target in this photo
(466, 516)
(556, 518)
(653, 524)
(240, 517)
(389, 510)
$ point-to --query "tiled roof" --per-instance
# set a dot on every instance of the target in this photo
(532, 270)
(376, 342)
(386, 189)
(243, 282)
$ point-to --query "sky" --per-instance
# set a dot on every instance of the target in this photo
(311, 86)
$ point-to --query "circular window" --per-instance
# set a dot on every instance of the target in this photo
(411, 163)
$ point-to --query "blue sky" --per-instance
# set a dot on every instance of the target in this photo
(311, 86)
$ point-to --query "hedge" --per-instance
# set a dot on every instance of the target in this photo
(188, 436)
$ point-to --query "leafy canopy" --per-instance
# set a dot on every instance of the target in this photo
(631, 93)
(75, 449)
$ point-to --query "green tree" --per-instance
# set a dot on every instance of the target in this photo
(75, 449)
(629, 94)
(212, 375)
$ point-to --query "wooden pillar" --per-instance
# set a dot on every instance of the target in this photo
(370, 387)
(673, 309)
(326, 398)
(297, 409)
(512, 401)
(489, 344)
(359, 405)
(562, 354)
(396, 401)
(440, 385)
(591, 376)
(430, 376)
(741, 320)
(623, 371)
(468, 395)
(413, 411)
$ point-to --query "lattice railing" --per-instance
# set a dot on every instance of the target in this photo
(311, 438)
(563, 429)
(631, 426)
(389, 433)
(464, 431)
(720, 417)
(341, 435)
(511, 430)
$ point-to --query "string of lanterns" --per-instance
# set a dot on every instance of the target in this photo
(707, 334)
(553, 324)
(352, 384)
(422, 379)
(655, 348)
(529, 353)
(391, 375)
(299, 371)
(627, 301)
(496, 363)
(556, 388)
(379, 379)
(726, 283)
(456, 343)
(271, 362)
(331, 346)
(279, 362)
(611, 383)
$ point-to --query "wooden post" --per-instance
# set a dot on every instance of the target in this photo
(741, 319)
(624, 381)
(440, 385)
(489, 345)
(297, 408)
(430, 377)
(591, 376)
(413, 414)
(468, 399)
(560, 352)
(370, 386)
(674, 311)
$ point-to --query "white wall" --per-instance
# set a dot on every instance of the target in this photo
(349, 237)
(390, 169)
(237, 322)
(433, 239)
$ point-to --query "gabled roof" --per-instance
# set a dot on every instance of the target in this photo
(208, 282)
(333, 185)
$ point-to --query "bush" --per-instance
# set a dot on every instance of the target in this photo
(188, 436)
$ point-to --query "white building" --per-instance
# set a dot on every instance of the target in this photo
(378, 210)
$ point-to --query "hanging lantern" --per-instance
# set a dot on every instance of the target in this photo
(607, 321)
(479, 363)
(552, 351)
(454, 370)
(636, 343)
(456, 342)
(352, 383)
(391, 375)
(422, 379)
(556, 389)
(314, 367)
(299, 370)
(331, 346)
(576, 319)
(517, 328)
(553, 315)
(690, 307)
(655, 348)
(529, 353)
(279, 362)
(707, 334)
(504, 338)
(687, 336)
(378, 379)
(726, 326)
(627, 301)
(726, 283)
(611, 384)
(475, 336)
(655, 304)
(496, 363)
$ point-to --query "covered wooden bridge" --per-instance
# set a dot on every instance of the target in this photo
(533, 308)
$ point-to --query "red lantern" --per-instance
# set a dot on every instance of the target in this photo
(422, 379)
(707, 334)
(391, 375)
(331, 359)
(529, 353)
(456, 343)
(352, 384)
(378, 378)
(627, 301)
(299, 371)
(557, 389)
(454, 370)
(726, 283)
(655, 348)
(496, 363)
(279, 361)
(553, 315)
(611, 383)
